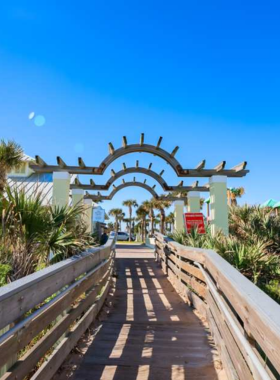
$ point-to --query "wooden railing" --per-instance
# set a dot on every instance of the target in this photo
(46, 313)
(244, 321)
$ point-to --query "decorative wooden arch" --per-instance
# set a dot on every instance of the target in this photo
(199, 171)
(99, 197)
(142, 170)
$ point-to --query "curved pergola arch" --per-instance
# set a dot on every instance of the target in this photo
(100, 197)
(40, 166)
(141, 170)
(137, 148)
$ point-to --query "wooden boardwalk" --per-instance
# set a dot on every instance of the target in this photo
(150, 333)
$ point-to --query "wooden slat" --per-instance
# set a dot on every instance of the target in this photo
(50, 367)
(30, 359)
(260, 314)
(220, 344)
(48, 313)
(22, 295)
(236, 356)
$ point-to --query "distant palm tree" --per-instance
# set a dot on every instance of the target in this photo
(118, 214)
(149, 207)
(11, 155)
(234, 193)
(142, 216)
(170, 220)
(161, 205)
(130, 203)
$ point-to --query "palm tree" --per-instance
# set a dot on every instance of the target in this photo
(130, 203)
(29, 231)
(233, 193)
(161, 205)
(11, 155)
(170, 220)
(149, 207)
(142, 215)
(118, 214)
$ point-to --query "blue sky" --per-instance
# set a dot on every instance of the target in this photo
(204, 75)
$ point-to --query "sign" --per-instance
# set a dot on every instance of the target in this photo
(194, 220)
(98, 214)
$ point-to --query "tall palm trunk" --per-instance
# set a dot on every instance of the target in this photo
(3, 178)
(162, 221)
(152, 217)
(130, 221)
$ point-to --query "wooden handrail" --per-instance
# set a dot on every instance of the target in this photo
(66, 295)
(253, 312)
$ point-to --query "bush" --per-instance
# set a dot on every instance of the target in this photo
(252, 247)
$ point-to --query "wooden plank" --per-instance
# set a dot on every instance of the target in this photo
(191, 269)
(259, 313)
(50, 367)
(31, 327)
(190, 253)
(22, 295)
(30, 359)
(236, 356)
(220, 344)
(198, 287)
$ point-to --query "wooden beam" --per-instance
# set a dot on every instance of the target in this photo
(161, 173)
(195, 184)
(137, 164)
(60, 162)
(124, 142)
(40, 161)
(142, 139)
(124, 166)
(123, 181)
(111, 148)
(239, 167)
(159, 142)
(113, 173)
(77, 181)
(150, 166)
(221, 166)
(174, 151)
(201, 165)
(81, 163)
(154, 186)
(92, 182)
(145, 180)
(134, 179)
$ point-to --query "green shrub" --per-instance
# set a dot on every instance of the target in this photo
(252, 247)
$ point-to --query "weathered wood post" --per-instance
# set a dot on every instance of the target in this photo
(218, 204)
(193, 201)
(61, 189)
(179, 215)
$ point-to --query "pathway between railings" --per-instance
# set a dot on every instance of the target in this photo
(149, 333)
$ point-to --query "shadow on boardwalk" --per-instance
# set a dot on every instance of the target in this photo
(149, 333)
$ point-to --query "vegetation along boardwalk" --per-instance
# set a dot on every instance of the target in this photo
(150, 332)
